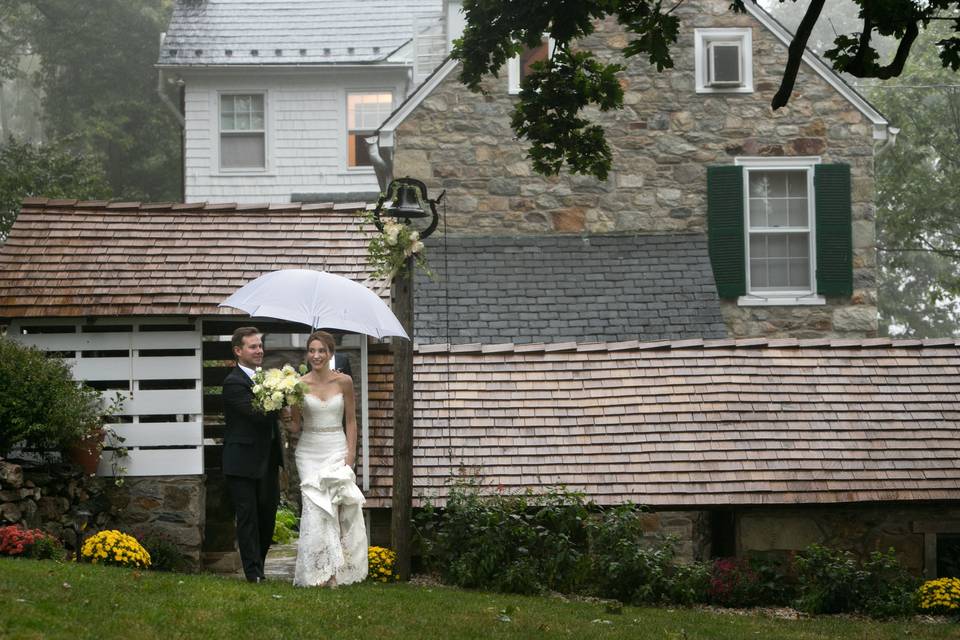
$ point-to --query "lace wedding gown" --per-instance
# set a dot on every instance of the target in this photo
(333, 539)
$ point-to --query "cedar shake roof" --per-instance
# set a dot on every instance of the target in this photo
(684, 424)
(67, 258)
(565, 287)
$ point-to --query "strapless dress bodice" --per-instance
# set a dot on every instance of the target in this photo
(322, 415)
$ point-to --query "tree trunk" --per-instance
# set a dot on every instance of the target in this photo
(401, 538)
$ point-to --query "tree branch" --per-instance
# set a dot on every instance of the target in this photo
(795, 54)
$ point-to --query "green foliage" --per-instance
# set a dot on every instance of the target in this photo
(164, 553)
(40, 403)
(552, 98)
(751, 581)
(52, 170)
(917, 198)
(285, 526)
(832, 581)
(511, 543)
(99, 87)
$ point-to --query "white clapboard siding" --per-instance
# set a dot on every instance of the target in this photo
(172, 368)
(159, 434)
(181, 442)
(155, 462)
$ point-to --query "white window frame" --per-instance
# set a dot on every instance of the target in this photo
(513, 68)
(346, 122)
(784, 297)
(218, 160)
(703, 38)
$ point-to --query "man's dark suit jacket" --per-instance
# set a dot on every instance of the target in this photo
(251, 438)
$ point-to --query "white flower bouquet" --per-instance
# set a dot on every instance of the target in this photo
(275, 389)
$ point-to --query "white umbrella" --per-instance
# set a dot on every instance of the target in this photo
(317, 299)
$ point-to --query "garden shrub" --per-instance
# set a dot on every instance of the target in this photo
(113, 547)
(30, 543)
(40, 403)
(380, 562)
(751, 581)
(510, 543)
(832, 581)
(940, 596)
(621, 565)
(285, 525)
(164, 553)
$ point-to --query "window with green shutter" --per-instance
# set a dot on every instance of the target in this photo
(779, 230)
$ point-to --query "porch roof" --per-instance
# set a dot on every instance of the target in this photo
(688, 424)
(66, 258)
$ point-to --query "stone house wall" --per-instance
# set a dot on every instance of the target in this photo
(48, 498)
(860, 528)
(662, 140)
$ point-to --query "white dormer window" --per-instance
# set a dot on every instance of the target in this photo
(519, 67)
(724, 60)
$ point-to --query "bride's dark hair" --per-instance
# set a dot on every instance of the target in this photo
(325, 338)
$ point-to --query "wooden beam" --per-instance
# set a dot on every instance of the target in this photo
(402, 502)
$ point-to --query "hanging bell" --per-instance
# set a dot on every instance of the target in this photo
(406, 203)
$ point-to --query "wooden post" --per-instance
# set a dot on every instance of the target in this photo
(402, 506)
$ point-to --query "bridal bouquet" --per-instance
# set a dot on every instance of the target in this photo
(275, 389)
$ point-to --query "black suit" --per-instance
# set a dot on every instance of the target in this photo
(251, 460)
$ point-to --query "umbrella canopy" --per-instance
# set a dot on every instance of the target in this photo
(317, 299)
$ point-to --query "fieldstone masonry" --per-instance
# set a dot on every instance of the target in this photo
(49, 497)
(662, 141)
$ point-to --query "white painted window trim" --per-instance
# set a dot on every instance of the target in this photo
(345, 167)
(743, 36)
(786, 297)
(268, 128)
(513, 69)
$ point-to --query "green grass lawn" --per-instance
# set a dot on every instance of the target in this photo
(42, 599)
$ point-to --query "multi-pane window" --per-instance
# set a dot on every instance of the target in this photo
(243, 133)
(365, 113)
(778, 228)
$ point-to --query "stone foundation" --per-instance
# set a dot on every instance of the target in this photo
(52, 497)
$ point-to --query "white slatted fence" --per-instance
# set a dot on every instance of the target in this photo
(156, 363)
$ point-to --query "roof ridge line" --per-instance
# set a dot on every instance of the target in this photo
(688, 343)
(36, 203)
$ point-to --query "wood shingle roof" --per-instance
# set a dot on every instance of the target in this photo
(66, 258)
(683, 424)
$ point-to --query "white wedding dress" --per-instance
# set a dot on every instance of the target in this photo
(333, 539)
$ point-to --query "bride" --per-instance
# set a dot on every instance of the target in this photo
(332, 549)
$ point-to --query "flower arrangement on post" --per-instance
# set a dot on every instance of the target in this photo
(88, 450)
(113, 547)
(389, 249)
(275, 389)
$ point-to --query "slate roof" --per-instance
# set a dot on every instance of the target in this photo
(298, 32)
(555, 288)
(66, 258)
(685, 424)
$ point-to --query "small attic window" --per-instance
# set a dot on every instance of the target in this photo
(326, 51)
(229, 52)
(172, 53)
(278, 52)
(724, 60)
(198, 52)
(254, 52)
(349, 51)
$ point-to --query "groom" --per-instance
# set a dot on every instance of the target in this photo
(251, 455)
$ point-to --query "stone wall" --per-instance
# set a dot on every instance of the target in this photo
(857, 528)
(690, 528)
(49, 497)
(662, 141)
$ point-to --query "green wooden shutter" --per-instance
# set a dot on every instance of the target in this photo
(834, 230)
(725, 229)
